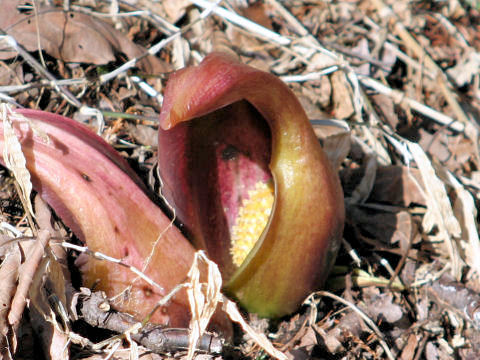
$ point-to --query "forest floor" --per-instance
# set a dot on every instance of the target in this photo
(399, 85)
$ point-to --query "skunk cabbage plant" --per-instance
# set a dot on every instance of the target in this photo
(247, 176)
(95, 192)
(242, 168)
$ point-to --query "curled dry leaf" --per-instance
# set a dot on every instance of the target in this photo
(13, 157)
(439, 209)
(12, 258)
(202, 297)
(466, 214)
(48, 307)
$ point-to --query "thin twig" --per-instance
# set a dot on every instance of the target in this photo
(96, 311)
(101, 256)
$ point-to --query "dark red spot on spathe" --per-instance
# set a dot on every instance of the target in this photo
(147, 291)
(86, 177)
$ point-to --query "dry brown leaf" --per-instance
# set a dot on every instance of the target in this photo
(202, 297)
(341, 96)
(362, 191)
(382, 307)
(304, 349)
(348, 326)
(387, 227)
(48, 287)
(26, 275)
(48, 281)
(397, 185)
(144, 134)
(330, 340)
(231, 309)
(335, 136)
(436, 144)
(386, 107)
(70, 36)
(439, 209)
(337, 148)
(13, 156)
(454, 152)
(466, 213)
(9, 274)
(11, 74)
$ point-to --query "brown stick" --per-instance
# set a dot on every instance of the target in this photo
(96, 311)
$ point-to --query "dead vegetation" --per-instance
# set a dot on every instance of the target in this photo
(393, 91)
